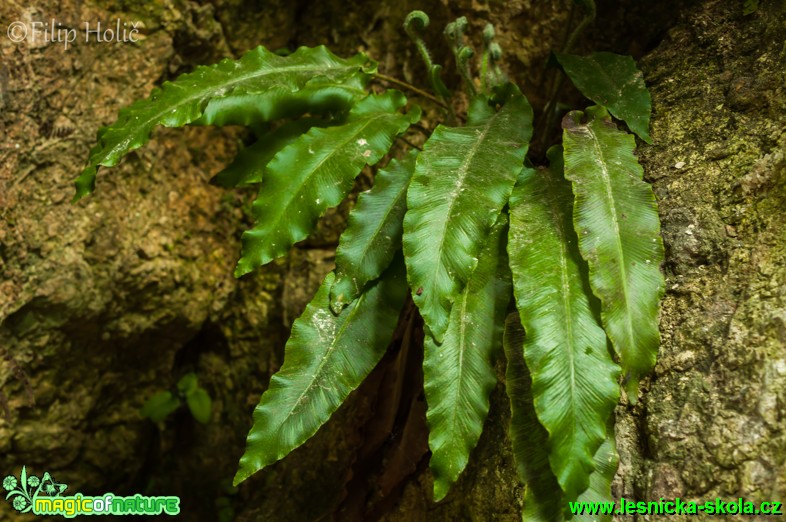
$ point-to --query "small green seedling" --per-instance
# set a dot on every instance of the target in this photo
(164, 403)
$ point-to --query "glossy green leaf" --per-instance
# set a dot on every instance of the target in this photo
(326, 357)
(543, 499)
(160, 405)
(249, 164)
(260, 86)
(614, 81)
(199, 404)
(373, 233)
(462, 180)
(574, 379)
(616, 218)
(320, 96)
(316, 172)
(459, 374)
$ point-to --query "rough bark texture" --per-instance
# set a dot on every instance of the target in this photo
(106, 302)
(712, 424)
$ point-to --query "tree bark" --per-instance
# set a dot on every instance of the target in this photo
(106, 302)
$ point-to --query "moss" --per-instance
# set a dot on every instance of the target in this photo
(713, 415)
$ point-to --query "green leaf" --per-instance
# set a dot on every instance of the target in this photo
(160, 405)
(462, 180)
(606, 462)
(459, 374)
(187, 383)
(316, 172)
(327, 357)
(574, 379)
(616, 218)
(199, 404)
(543, 499)
(373, 234)
(320, 96)
(543, 496)
(260, 86)
(614, 81)
(249, 164)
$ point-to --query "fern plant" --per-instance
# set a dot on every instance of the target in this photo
(559, 261)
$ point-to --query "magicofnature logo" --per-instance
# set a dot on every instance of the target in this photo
(43, 496)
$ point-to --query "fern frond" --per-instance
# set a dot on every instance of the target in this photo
(614, 81)
(316, 172)
(373, 233)
(249, 165)
(543, 499)
(616, 219)
(260, 86)
(459, 374)
(574, 380)
(326, 357)
(462, 180)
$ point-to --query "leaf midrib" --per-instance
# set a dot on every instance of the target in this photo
(617, 239)
(464, 171)
(124, 144)
(332, 152)
(402, 192)
(359, 305)
(567, 308)
(460, 378)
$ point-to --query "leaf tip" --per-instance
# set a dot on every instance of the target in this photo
(441, 488)
(85, 184)
(644, 135)
(243, 267)
(240, 477)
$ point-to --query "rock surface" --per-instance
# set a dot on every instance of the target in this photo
(106, 302)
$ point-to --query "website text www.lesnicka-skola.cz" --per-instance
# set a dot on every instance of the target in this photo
(677, 506)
